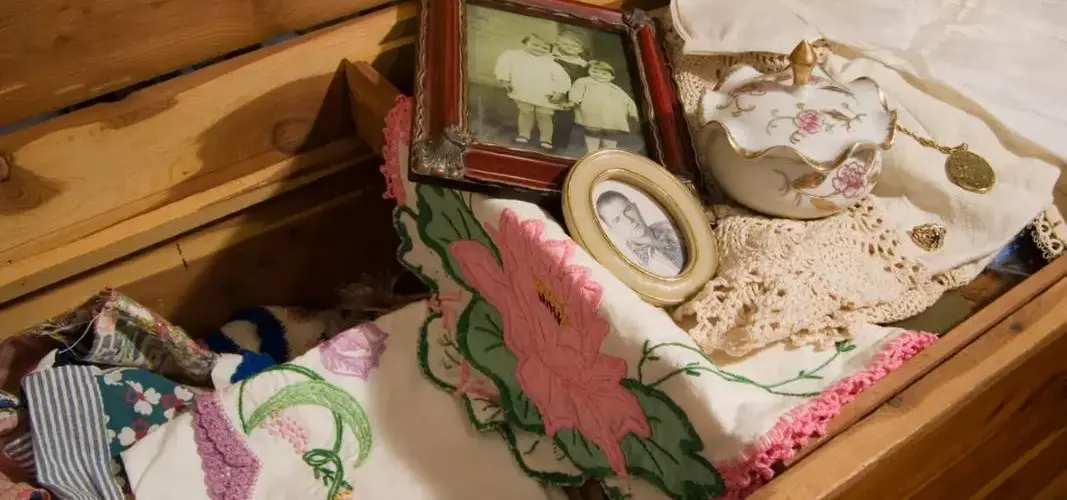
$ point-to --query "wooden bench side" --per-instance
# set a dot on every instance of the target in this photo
(96, 184)
(57, 53)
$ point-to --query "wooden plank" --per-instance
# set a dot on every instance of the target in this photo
(949, 344)
(271, 114)
(1032, 473)
(295, 249)
(371, 96)
(56, 53)
(959, 425)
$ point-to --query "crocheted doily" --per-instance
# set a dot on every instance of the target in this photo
(811, 282)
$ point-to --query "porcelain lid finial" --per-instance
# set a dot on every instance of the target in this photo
(802, 60)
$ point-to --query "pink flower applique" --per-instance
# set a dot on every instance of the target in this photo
(850, 179)
(550, 323)
(397, 135)
(809, 121)
(354, 352)
(445, 304)
(230, 468)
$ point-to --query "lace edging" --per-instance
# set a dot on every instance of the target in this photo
(754, 468)
(396, 133)
(1043, 231)
(230, 468)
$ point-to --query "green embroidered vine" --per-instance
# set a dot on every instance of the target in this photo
(694, 369)
(326, 464)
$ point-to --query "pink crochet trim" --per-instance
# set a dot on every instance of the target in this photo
(230, 468)
(397, 134)
(754, 468)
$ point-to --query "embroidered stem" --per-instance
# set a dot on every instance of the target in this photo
(347, 412)
(694, 368)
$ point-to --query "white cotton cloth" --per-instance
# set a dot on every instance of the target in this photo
(1003, 55)
(423, 445)
(985, 74)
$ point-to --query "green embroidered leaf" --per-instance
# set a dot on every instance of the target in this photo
(845, 346)
(324, 394)
(481, 336)
(407, 245)
(670, 458)
(445, 218)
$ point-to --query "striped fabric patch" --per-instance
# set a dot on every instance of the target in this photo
(69, 436)
(20, 451)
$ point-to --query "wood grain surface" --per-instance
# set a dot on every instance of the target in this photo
(952, 432)
(295, 249)
(281, 110)
(60, 52)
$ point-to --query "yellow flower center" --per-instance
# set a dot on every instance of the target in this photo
(548, 298)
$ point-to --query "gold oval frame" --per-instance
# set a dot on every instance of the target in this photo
(702, 256)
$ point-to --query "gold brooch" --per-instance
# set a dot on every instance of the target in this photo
(929, 237)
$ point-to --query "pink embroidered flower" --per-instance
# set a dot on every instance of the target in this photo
(809, 121)
(397, 136)
(354, 352)
(850, 179)
(345, 494)
(551, 325)
(474, 387)
(445, 305)
(230, 468)
(142, 400)
(290, 430)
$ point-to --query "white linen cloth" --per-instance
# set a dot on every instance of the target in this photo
(423, 447)
(985, 73)
(742, 414)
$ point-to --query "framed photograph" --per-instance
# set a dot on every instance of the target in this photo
(509, 94)
(642, 224)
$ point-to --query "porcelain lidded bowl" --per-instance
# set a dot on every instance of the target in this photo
(796, 144)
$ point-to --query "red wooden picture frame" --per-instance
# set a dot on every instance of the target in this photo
(443, 150)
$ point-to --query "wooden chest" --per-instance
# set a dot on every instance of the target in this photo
(251, 178)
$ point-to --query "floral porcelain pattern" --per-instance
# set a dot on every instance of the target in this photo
(824, 118)
(823, 139)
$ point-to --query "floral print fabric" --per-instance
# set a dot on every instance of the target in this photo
(137, 402)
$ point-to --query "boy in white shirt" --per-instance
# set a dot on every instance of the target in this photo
(537, 83)
(603, 108)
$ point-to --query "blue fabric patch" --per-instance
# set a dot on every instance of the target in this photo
(270, 329)
(251, 364)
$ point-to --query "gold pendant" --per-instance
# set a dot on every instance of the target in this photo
(929, 237)
(970, 171)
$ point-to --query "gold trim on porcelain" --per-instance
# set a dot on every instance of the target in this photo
(825, 166)
(579, 214)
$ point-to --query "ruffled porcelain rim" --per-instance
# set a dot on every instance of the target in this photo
(755, 466)
(824, 166)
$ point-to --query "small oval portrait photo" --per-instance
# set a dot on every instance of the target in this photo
(640, 228)
(641, 223)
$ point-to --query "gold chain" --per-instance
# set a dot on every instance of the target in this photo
(930, 143)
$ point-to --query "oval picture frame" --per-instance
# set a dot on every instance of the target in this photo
(606, 202)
